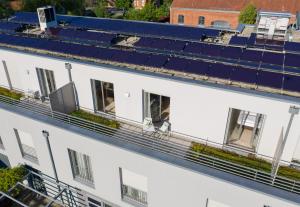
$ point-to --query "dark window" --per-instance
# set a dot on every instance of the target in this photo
(201, 20)
(180, 19)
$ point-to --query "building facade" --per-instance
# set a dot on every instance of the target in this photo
(221, 13)
(126, 162)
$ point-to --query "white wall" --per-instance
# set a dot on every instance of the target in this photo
(196, 110)
(168, 185)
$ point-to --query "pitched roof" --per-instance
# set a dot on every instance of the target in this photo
(236, 5)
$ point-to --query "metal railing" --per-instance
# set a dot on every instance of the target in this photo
(29, 152)
(55, 193)
(133, 194)
(163, 146)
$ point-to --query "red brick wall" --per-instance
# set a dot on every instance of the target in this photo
(191, 17)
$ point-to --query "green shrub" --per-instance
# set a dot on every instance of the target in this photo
(289, 172)
(94, 118)
(248, 15)
(11, 94)
(230, 156)
(10, 176)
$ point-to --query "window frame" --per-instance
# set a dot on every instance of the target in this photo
(180, 19)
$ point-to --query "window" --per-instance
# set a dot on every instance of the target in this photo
(26, 145)
(81, 167)
(201, 20)
(133, 187)
(46, 81)
(156, 107)
(1, 144)
(93, 202)
(180, 19)
(244, 128)
(220, 24)
(104, 99)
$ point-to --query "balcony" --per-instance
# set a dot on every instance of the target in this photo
(37, 189)
(178, 146)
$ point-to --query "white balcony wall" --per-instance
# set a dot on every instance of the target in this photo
(3, 78)
(195, 109)
(167, 184)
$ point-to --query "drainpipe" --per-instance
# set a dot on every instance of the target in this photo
(293, 110)
(46, 135)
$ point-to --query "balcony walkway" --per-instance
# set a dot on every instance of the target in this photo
(174, 146)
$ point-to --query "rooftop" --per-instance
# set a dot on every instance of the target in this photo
(291, 6)
(193, 53)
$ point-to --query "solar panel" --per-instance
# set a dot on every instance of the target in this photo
(292, 60)
(270, 79)
(194, 48)
(273, 58)
(241, 74)
(72, 34)
(220, 71)
(178, 64)
(157, 61)
(9, 26)
(237, 40)
(291, 83)
(252, 39)
(198, 67)
(231, 52)
(252, 55)
(25, 17)
(234, 73)
(292, 46)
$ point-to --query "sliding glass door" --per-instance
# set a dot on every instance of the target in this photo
(104, 99)
(46, 81)
(156, 107)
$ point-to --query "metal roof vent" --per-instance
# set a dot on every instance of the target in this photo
(47, 17)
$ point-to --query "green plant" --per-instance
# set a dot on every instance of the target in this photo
(248, 14)
(123, 4)
(94, 118)
(5, 9)
(10, 176)
(289, 172)
(11, 94)
(230, 156)
(100, 10)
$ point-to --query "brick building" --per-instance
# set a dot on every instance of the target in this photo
(223, 13)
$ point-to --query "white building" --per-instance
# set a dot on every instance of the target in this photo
(142, 163)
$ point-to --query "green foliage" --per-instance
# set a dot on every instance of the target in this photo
(97, 119)
(288, 172)
(150, 12)
(5, 10)
(248, 15)
(123, 4)
(73, 7)
(10, 176)
(11, 94)
(251, 162)
(230, 156)
(100, 10)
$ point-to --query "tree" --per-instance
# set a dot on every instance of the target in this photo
(5, 9)
(9, 177)
(73, 7)
(248, 15)
(101, 10)
(123, 4)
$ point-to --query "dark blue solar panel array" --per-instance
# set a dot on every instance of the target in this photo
(9, 26)
(126, 27)
(72, 34)
(230, 54)
(217, 70)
